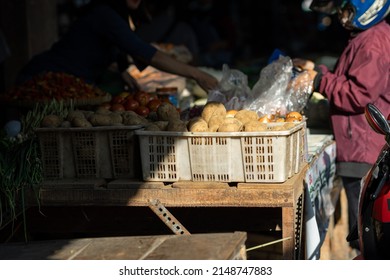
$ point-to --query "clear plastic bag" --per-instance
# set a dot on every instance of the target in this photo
(233, 89)
(280, 89)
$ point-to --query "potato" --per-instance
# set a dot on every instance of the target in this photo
(152, 127)
(213, 128)
(229, 128)
(230, 125)
(75, 114)
(116, 118)
(81, 122)
(103, 111)
(51, 121)
(232, 121)
(132, 118)
(100, 120)
(245, 116)
(213, 109)
(194, 120)
(215, 121)
(276, 127)
(253, 126)
(197, 125)
(162, 125)
(167, 111)
(66, 124)
(177, 125)
(87, 114)
(288, 125)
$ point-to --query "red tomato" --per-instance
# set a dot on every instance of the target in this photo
(131, 104)
(153, 105)
(118, 99)
(117, 107)
(105, 105)
(130, 96)
(142, 97)
(142, 111)
(153, 96)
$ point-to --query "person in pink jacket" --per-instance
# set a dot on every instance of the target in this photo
(361, 76)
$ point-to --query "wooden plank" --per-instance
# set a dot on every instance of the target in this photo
(199, 246)
(229, 197)
(180, 194)
(186, 194)
(120, 248)
(215, 246)
(134, 184)
(74, 183)
(200, 185)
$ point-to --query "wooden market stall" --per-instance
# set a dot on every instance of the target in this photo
(96, 167)
(287, 196)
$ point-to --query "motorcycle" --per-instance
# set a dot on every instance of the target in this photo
(373, 226)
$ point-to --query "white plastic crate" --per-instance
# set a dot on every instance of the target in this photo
(269, 156)
(98, 152)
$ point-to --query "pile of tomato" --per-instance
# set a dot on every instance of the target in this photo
(51, 85)
(141, 102)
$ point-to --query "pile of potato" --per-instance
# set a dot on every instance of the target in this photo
(167, 118)
(81, 118)
(215, 118)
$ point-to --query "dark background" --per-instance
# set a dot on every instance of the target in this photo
(250, 29)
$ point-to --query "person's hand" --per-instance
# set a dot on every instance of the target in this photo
(303, 64)
(131, 82)
(303, 82)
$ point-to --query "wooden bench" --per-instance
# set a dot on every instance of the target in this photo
(210, 246)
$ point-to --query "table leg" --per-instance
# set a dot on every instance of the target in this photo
(288, 230)
(292, 230)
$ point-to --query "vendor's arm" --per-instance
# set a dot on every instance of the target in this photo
(166, 63)
(118, 31)
(361, 83)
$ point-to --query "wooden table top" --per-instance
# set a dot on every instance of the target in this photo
(124, 192)
(210, 246)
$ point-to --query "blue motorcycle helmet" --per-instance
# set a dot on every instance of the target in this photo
(362, 14)
(366, 14)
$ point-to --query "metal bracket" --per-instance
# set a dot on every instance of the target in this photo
(168, 219)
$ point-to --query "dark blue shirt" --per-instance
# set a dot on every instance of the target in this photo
(92, 44)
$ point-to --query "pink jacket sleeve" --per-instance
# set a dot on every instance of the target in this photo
(360, 77)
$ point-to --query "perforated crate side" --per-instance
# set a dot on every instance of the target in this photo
(164, 157)
(51, 154)
(84, 152)
(56, 153)
(266, 158)
(302, 148)
(294, 153)
(216, 158)
(124, 154)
